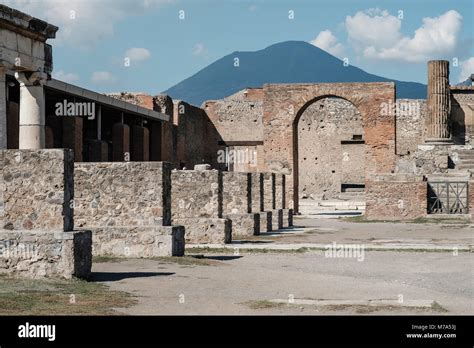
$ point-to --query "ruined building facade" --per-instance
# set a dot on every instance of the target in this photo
(142, 175)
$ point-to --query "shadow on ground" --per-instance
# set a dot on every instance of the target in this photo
(115, 276)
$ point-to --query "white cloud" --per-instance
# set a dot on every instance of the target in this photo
(83, 23)
(467, 68)
(199, 49)
(137, 54)
(377, 35)
(103, 77)
(328, 42)
(66, 77)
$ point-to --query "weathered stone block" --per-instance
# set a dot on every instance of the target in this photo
(265, 221)
(269, 191)
(245, 224)
(196, 194)
(287, 217)
(257, 192)
(39, 254)
(139, 241)
(36, 189)
(122, 194)
(277, 219)
(237, 197)
(206, 230)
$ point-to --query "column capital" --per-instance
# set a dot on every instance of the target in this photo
(29, 78)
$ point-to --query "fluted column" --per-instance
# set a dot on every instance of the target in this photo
(438, 119)
(32, 119)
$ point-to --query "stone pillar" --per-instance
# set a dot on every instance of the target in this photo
(98, 151)
(32, 119)
(438, 120)
(120, 142)
(3, 109)
(140, 144)
(72, 135)
(155, 141)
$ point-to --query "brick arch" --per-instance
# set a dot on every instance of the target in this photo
(283, 105)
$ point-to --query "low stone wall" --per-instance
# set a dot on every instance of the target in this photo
(206, 230)
(197, 205)
(237, 193)
(257, 192)
(122, 194)
(237, 203)
(39, 254)
(127, 205)
(139, 241)
(36, 207)
(196, 193)
(36, 189)
(396, 197)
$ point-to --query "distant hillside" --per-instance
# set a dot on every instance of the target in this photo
(285, 62)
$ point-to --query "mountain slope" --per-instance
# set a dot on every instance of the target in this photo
(286, 62)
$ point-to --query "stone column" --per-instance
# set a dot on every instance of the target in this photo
(32, 119)
(3, 109)
(72, 135)
(140, 144)
(120, 143)
(438, 120)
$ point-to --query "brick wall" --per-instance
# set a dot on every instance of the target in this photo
(396, 197)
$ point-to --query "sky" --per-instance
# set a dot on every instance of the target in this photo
(150, 45)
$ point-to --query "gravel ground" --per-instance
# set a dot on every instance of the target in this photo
(227, 284)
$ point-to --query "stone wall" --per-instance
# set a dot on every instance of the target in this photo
(39, 254)
(242, 111)
(197, 140)
(269, 181)
(122, 194)
(196, 194)
(462, 114)
(396, 197)
(410, 124)
(331, 149)
(36, 189)
(36, 216)
(237, 193)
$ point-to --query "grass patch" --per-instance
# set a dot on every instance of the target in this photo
(263, 304)
(103, 259)
(54, 297)
(435, 306)
(189, 260)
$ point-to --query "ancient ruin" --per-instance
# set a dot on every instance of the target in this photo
(129, 174)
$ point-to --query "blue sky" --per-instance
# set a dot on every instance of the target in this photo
(96, 36)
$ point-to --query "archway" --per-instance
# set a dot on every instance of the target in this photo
(284, 102)
(329, 153)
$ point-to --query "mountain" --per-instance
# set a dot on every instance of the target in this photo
(285, 62)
